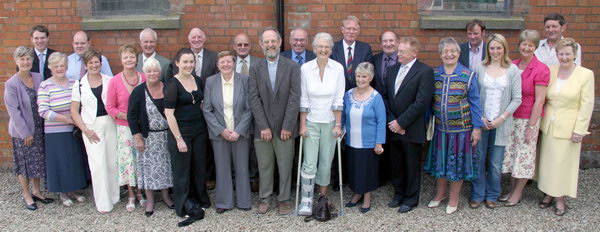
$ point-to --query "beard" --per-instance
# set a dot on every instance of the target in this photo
(271, 54)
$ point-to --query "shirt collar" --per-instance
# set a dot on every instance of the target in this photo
(302, 54)
(410, 64)
(272, 62)
(477, 49)
(394, 56)
(38, 53)
(230, 82)
(151, 56)
(247, 59)
(201, 53)
(346, 45)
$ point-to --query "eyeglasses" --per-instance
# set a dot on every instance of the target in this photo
(243, 45)
(449, 52)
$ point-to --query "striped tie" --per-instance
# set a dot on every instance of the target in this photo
(349, 61)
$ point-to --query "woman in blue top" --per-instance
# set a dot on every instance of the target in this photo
(452, 153)
(364, 121)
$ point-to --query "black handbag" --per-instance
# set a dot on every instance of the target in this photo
(322, 211)
(193, 210)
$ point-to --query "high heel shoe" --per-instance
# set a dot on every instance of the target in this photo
(46, 200)
(504, 198)
(511, 204)
(32, 206)
(435, 204)
(451, 209)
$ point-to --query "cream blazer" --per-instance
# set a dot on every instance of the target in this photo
(570, 110)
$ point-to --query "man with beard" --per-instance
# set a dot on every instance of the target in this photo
(299, 53)
(148, 40)
(76, 67)
(274, 92)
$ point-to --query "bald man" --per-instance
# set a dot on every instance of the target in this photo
(206, 60)
(148, 40)
(387, 58)
(299, 43)
(242, 46)
(76, 67)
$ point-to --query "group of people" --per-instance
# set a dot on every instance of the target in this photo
(148, 127)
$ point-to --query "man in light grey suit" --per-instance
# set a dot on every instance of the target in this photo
(229, 118)
(148, 39)
(274, 92)
(242, 47)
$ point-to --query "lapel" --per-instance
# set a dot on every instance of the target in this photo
(341, 54)
(409, 75)
(391, 80)
(265, 71)
(279, 75)
(237, 89)
(218, 90)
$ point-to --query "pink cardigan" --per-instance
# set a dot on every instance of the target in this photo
(117, 99)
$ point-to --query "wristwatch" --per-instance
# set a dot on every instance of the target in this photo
(178, 137)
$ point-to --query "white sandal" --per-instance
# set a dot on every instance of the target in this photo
(141, 199)
(66, 201)
(78, 198)
(130, 207)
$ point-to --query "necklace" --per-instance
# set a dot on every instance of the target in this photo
(137, 80)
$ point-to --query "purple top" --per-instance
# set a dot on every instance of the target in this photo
(536, 73)
(19, 107)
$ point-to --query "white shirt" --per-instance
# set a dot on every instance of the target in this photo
(402, 74)
(74, 66)
(547, 55)
(321, 98)
(144, 58)
(346, 50)
(238, 65)
(495, 87)
(199, 62)
(37, 53)
(475, 58)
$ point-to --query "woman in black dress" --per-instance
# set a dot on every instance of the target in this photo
(188, 136)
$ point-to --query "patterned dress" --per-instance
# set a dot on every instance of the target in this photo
(457, 111)
(154, 164)
(30, 161)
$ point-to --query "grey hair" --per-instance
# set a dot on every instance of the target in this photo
(367, 68)
(323, 35)
(530, 35)
(260, 37)
(447, 41)
(23, 51)
(151, 63)
(57, 57)
(148, 30)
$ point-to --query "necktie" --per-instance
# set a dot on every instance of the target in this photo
(199, 65)
(386, 65)
(300, 59)
(82, 69)
(42, 61)
(349, 62)
(244, 67)
(400, 78)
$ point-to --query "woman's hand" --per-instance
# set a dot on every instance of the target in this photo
(91, 135)
(181, 146)
(139, 142)
(528, 134)
(337, 131)
(576, 138)
(475, 137)
(28, 141)
(226, 134)
(69, 120)
(303, 131)
(122, 116)
(378, 149)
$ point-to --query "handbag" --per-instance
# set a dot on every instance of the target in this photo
(322, 211)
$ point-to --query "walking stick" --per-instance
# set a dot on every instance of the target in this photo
(339, 148)
(298, 176)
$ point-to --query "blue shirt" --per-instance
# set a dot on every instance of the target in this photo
(74, 67)
(273, 71)
(295, 57)
(364, 121)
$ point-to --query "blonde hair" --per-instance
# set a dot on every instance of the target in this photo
(128, 48)
(530, 35)
(505, 61)
(57, 57)
(567, 42)
(414, 43)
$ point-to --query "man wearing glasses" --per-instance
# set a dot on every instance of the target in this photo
(242, 47)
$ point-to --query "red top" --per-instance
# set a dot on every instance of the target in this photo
(536, 73)
(117, 99)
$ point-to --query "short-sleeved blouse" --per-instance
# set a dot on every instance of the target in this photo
(536, 73)
(187, 106)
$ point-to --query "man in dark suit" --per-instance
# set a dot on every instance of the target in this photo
(473, 51)
(206, 60)
(350, 52)
(408, 94)
(274, 92)
(385, 59)
(243, 61)
(299, 53)
(148, 39)
(39, 38)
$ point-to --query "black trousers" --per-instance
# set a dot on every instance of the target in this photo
(406, 171)
(189, 170)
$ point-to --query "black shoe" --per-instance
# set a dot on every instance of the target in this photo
(46, 200)
(31, 207)
(222, 210)
(365, 210)
(171, 206)
(149, 213)
(351, 204)
(395, 203)
(188, 221)
(405, 209)
(246, 209)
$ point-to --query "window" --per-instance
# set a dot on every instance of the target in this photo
(130, 14)
(129, 7)
(472, 7)
(454, 14)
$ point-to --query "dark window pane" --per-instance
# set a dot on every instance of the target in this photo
(130, 7)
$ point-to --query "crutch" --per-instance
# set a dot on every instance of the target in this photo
(339, 149)
(298, 176)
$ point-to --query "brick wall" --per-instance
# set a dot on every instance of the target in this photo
(222, 19)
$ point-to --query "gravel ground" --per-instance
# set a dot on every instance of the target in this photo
(583, 214)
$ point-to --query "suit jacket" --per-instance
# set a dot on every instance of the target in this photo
(209, 67)
(362, 53)
(18, 106)
(408, 106)
(83, 94)
(572, 108)
(378, 81)
(213, 107)
(164, 65)
(308, 56)
(36, 64)
(275, 109)
(253, 61)
(464, 54)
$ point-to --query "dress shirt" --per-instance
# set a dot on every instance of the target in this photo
(296, 55)
(239, 63)
(547, 54)
(475, 55)
(389, 61)
(402, 74)
(145, 58)
(346, 46)
(74, 67)
(199, 62)
(42, 59)
(321, 98)
(227, 87)
(272, 66)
